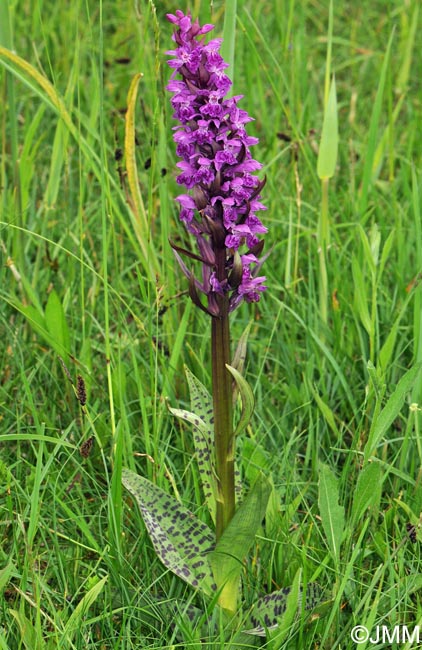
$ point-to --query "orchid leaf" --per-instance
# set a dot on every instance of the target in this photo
(202, 420)
(180, 539)
(247, 398)
(227, 559)
(275, 609)
(239, 357)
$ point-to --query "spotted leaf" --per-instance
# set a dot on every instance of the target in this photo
(268, 611)
(180, 539)
(202, 419)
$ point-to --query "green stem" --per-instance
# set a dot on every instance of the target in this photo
(223, 407)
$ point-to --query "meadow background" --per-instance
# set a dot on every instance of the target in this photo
(87, 275)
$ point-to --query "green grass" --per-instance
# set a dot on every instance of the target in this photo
(77, 569)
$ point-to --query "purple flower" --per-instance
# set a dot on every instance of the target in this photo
(217, 167)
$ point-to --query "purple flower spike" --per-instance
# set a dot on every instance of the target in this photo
(217, 168)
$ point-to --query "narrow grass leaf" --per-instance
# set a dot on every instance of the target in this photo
(42, 87)
(328, 148)
(29, 154)
(385, 139)
(32, 437)
(388, 347)
(407, 47)
(391, 410)
(60, 144)
(417, 309)
(229, 36)
(180, 539)
(5, 25)
(326, 411)
(36, 497)
(367, 175)
(332, 514)
(361, 301)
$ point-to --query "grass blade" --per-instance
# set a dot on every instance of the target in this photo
(373, 131)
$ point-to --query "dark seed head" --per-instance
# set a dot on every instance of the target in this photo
(86, 447)
(411, 531)
(81, 390)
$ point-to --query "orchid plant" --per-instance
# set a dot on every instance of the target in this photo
(219, 209)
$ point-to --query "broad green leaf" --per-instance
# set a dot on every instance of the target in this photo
(391, 410)
(367, 491)
(246, 395)
(35, 319)
(255, 459)
(55, 321)
(180, 539)
(227, 559)
(39, 325)
(328, 148)
(268, 610)
(332, 514)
